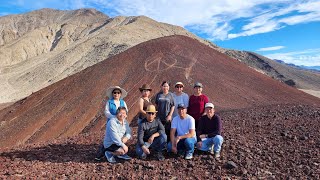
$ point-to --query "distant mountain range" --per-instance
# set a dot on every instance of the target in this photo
(313, 68)
(42, 47)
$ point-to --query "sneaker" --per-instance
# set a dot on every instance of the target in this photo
(211, 150)
(125, 157)
(143, 156)
(189, 156)
(110, 157)
(160, 156)
(217, 155)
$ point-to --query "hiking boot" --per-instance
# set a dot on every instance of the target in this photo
(125, 157)
(143, 156)
(110, 157)
(100, 153)
(189, 156)
(160, 156)
(181, 153)
(217, 155)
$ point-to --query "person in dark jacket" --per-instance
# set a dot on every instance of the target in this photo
(151, 135)
(209, 131)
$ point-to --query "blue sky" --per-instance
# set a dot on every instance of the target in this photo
(279, 29)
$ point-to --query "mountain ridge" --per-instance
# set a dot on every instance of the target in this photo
(73, 105)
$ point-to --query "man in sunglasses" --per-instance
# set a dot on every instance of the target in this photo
(151, 135)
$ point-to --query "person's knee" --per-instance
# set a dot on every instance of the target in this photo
(189, 141)
(218, 138)
(163, 137)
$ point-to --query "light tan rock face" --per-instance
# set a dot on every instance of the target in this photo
(45, 46)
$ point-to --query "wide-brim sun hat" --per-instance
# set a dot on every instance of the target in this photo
(112, 88)
(151, 108)
(145, 87)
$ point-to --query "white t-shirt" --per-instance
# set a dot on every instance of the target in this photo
(183, 125)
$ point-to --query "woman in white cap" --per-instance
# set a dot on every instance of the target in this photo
(144, 101)
(180, 97)
(116, 95)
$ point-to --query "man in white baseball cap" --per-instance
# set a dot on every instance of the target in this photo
(209, 132)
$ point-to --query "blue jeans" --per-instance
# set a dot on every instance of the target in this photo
(208, 142)
(184, 145)
(157, 145)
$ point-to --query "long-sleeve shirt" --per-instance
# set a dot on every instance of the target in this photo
(147, 129)
(211, 126)
(115, 131)
(196, 106)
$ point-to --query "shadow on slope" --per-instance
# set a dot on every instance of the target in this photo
(58, 153)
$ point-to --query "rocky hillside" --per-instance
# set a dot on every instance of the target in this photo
(74, 105)
(305, 80)
(45, 46)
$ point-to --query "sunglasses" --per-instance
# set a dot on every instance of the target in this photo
(151, 113)
(179, 86)
(116, 92)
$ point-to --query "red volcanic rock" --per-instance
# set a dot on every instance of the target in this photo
(74, 105)
(252, 141)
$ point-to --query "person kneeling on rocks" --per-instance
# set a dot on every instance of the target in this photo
(182, 134)
(118, 133)
(209, 132)
(151, 135)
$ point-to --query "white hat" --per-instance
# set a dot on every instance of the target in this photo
(209, 105)
(179, 83)
(112, 88)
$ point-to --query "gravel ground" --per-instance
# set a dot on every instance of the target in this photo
(271, 142)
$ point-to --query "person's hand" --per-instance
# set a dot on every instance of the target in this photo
(150, 140)
(168, 118)
(199, 144)
(174, 149)
(176, 140)
(124, 140)
(145, 149)
(203, 136)
(125, 148)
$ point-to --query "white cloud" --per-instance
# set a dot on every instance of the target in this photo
(309, 57)
(271, 48)
(217, 20)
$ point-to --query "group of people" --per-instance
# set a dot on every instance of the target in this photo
(171, 121)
